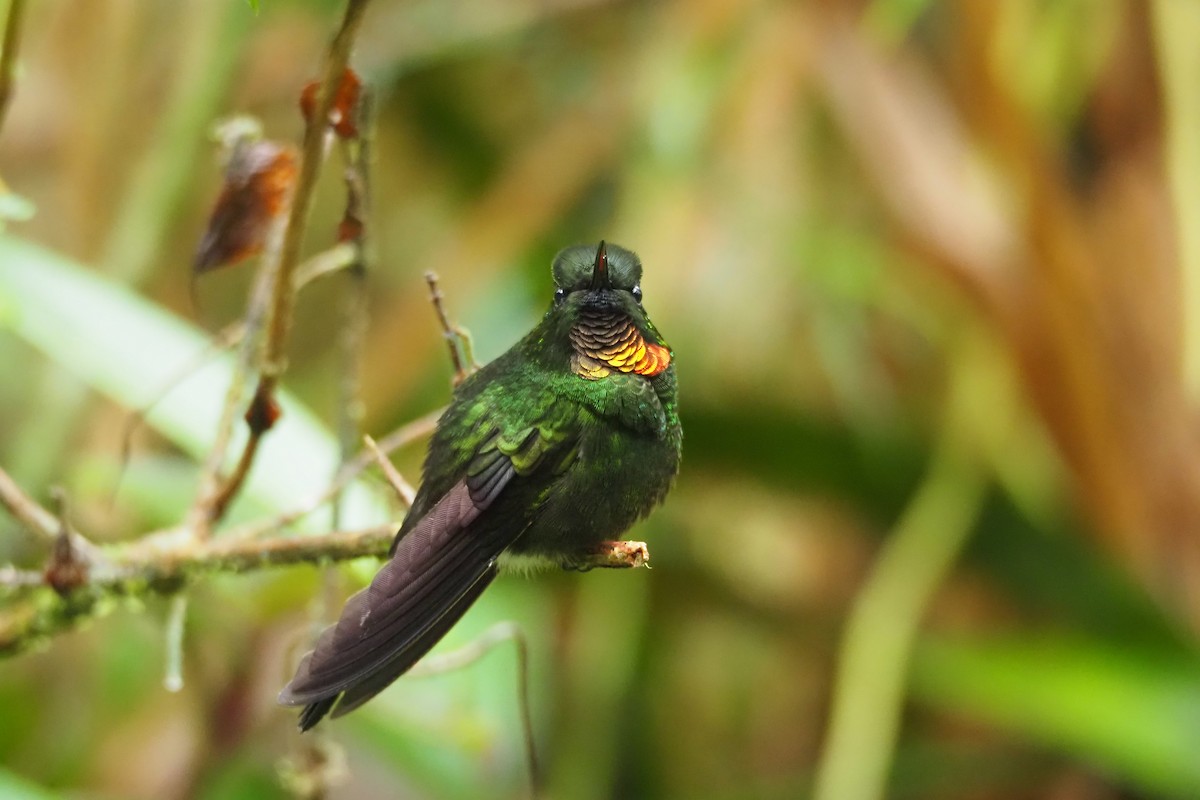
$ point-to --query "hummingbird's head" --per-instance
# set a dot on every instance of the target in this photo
(603, 276)
(598, 299)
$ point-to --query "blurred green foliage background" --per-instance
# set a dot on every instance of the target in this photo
(931, 272)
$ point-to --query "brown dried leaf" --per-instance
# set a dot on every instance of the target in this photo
(343, 114)
(259, 181)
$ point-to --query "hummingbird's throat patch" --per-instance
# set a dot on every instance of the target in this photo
(608, 342)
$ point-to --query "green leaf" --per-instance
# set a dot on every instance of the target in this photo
(1133, 713)
(127, 349)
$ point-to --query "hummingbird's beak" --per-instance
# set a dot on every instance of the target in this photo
(600, 278)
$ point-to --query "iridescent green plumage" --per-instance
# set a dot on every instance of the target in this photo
(558, 445)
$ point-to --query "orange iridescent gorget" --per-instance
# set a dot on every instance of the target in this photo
(608, 341)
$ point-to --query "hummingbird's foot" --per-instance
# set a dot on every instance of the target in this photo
(609, 555)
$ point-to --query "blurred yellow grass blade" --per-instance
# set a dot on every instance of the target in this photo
(1176, 26)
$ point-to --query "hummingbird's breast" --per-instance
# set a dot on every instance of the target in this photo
(618, 473)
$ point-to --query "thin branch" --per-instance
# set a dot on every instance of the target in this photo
(260, 417)
(353, 232)
(335, 259)
(457, 339)
(201, 517)
(8, 57)
(27, 624)
(164, 563)
(44, 524)
(16, 580)
(232, 556)
(282, 302)
(148, 567)
(404, 489)
(26, 510)
(314, 137)
(405, 434)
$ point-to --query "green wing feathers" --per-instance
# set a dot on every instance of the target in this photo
(443, 558)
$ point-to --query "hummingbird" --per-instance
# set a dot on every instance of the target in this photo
(543, 455)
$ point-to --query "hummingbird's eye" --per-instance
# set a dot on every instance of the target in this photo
(636, 291)
(560, 295)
